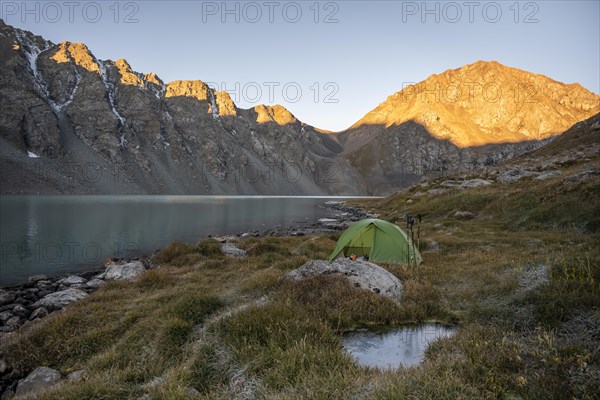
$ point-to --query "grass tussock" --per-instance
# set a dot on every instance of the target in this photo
(181, 254)
(573, 286)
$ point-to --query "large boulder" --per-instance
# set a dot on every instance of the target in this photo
(362, 274)
(124, 272)
(60, 299)
(41, 378)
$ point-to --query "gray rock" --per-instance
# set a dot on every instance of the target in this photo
(60, 299)
(41, 378)
(38, 313)
(191, 392)
(5, 316)
(72, 280)
(230, 249)
(46, 292)
(547, 175)
(5, 329)
(464, 215)
(450, 183)
(514, 175)
(435, 192)
(361, 274)
(224, 238)
(101, 276)
(95, 283)
(474, 183)
(3, 367)
(36, 278)
(6, 297)
(20, 310)
(75, 375)
(432, 246)
(124, 272)
(14, 322)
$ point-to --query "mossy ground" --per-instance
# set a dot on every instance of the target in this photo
(521, 281)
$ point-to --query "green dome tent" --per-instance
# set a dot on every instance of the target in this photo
(379, 240)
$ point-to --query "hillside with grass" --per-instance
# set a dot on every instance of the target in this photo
(511, 257)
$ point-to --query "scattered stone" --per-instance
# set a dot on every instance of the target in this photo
(464, 215)
(327, 220)
(100, 276)
(362, 274)
(191, 392)
(547, 175)
(435, 192)
(450, 183)
(5, 316)
(6, 297)
(224, 238)
(474, 183)
(41, 378)
(36, 278)
(14, 322)
(60, 299)
(20, 310)
(40, 312)
(514, 175)
(46, 292)
(230, 249)
(95, 283)
(72, 280)
(3, 367)
(431, 246)
(75, 375)
(124, 272)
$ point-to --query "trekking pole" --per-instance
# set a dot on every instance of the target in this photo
(407, 244)
(419, 232)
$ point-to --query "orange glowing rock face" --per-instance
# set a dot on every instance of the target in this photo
(78, 53)
(276, 113)
(487, 102)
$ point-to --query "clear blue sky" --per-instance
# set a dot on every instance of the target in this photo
(365, 50)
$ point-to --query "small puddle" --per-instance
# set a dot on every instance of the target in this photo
(395, 348)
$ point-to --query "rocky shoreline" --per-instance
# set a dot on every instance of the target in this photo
(43, 295)
(344, 217)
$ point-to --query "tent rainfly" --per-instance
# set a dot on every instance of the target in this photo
(379, 240)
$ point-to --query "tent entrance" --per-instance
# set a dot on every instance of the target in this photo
(361, 244)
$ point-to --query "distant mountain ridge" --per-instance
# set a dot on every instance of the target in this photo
(71, 123)
(487, 102)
